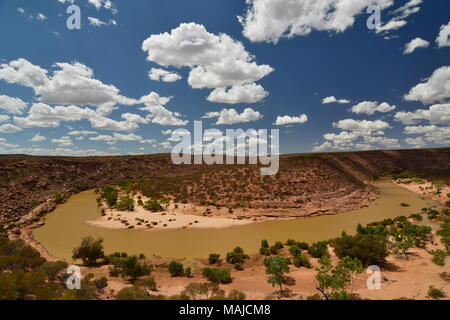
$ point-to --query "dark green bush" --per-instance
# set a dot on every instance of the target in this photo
(217, 275)
(368, 248)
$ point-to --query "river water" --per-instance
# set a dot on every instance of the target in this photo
(66, 226)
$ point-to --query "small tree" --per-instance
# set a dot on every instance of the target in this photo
(132, 268)
(89, 251)
(333, 280)
(399, 242)
(276, 267)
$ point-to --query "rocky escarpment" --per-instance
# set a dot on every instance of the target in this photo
(27, 183)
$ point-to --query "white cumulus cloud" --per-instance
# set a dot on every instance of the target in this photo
(414, 44)
(215, 61)
(443, 39)
(285, 120)
(370, 107)
(271, 20)
(434, 89)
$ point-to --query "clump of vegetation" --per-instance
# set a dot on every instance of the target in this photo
(301, 261)
(127, 266)
(126, 203)
(274, 249)
(407, 174)
(217, 275)
(176, 269)
(214, 258)
(153, 205)
(436, 293)
(90, 251)
(318, 249)
(25, 275)
(416, 217)
(264, 250)
(237, 257)
(439, 256)
(110, 194)
(58, 197)
(367, 248)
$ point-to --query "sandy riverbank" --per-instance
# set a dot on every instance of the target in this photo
(184, 216)
(172, 218)
(427, 189)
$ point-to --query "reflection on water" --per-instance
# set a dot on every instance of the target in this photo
(66, 226)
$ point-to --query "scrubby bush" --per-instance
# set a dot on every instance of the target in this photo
(276, 247)
(379, 229)
(217, 275)
(153, 205)
(407, 174)
(368, 248)
(438, 256)
(126, 203)
(264, 250)
(58, 197)
(436, 293)
(176, 269)
(214, 258)
(134, 269)
(110, 194)
(416, 217)
(318, 249)
(236, 256)
(301, 261)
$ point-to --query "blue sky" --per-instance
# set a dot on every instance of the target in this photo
(277, 62)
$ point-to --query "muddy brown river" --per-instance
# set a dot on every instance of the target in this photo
(66, 226)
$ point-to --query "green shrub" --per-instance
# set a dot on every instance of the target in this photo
(153, 205)
(176, 269)
(126, 203)
(217, 275)
(438, 256)
(318, 249)
(436, 293)
(276, 247)
(416, 217)
(236, 256)
(58, 197)
(368, 248)
(302, 261)
(213, 258)
(264, 250)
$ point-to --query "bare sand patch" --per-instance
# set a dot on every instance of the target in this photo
(175, 216)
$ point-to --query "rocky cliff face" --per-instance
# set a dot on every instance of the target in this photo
(29, 182)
